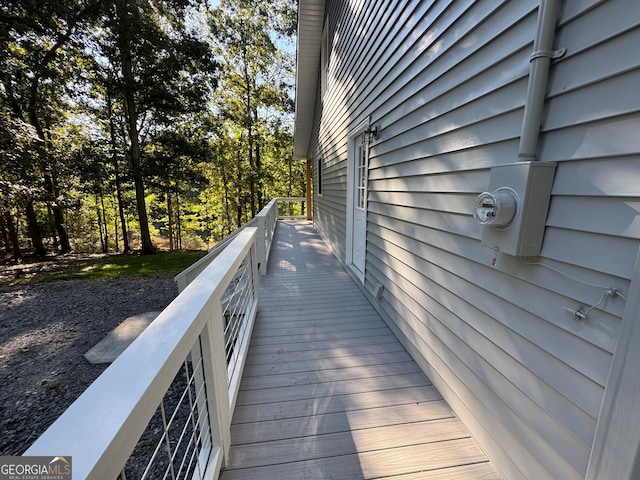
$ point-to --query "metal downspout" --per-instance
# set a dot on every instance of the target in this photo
(540, 59)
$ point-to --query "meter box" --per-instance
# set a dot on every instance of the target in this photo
(513, 211)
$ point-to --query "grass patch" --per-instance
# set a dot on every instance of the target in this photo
(159, 265)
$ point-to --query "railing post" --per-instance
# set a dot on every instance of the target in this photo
(215, 372)
(261, 244)
(254, 271)
(273, 220)
(181, 282)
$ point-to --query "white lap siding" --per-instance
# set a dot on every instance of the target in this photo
(446, 83)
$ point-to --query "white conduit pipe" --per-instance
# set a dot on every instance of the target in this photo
(541, 57)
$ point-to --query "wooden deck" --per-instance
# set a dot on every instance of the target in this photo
(328, 391)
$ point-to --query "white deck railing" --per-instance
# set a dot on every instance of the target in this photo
(287, 208)
(163, 408)
(265, 221)
(292, 208)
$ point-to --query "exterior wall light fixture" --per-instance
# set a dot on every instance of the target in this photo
(373, 132)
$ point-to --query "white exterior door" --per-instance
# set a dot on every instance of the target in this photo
(359, 204)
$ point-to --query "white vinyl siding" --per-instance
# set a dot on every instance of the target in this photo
(446, 83)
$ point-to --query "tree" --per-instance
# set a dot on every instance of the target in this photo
(173, 159)
(254, 92)
(117, 177)
(17, 145)
(112, 108)
(165, 73)
(36, 41)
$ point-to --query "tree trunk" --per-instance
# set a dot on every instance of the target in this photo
(58, 216)
(104, 224)
(116, 172)
(116, 233)
(34, 229)
(102, 244)
(259, 178)
(123, 221)
(52, 225)
(250, 139)
(227, 211)
(52, 191)
(252, 175)
(239, 190)
(12, 235)
(289, 183)
(5, 235)
(125, 42)
(178, 224)
(258, 162)
(170, 215)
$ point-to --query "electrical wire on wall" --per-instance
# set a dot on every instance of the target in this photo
(580, 312)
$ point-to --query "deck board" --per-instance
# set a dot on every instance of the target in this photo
(340, 403)
(349, 441)
(339, 346)
(322, 424)
(329, 375)
(320, 364)
(329, 392)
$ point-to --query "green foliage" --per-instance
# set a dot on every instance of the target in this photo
(211, 102)
(253, 104)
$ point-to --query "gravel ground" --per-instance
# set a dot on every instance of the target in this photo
(44, 331)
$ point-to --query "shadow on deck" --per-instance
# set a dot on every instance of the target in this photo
(329, 392)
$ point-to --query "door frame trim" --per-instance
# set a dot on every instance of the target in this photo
(353, 134)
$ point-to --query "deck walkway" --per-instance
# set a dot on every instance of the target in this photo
(329, 392)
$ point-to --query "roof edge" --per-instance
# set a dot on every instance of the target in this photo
(310, 25)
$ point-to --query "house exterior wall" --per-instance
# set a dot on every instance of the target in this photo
(446, 83)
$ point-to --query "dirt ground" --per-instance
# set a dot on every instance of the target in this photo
(44, 331)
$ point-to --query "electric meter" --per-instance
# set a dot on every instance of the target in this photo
(514, 214)
(496, 209)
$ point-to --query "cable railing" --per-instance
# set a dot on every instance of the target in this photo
(163, 408)
(177, 442)
(287, 208)
(185, 277)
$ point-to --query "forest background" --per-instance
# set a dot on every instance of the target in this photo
(137, 124)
